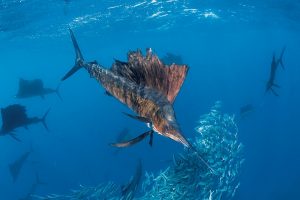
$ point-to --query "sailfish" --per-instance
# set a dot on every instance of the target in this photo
(129, 190)
(15, 116)
(145, 85)
(274, 65)
(17, 165)
(35, 87)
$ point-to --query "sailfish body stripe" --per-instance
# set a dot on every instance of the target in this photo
(133, 95)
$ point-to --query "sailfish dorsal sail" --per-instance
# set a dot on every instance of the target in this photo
(150, 71)
(12, 115)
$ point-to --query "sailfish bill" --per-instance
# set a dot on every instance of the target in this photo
(135, 140)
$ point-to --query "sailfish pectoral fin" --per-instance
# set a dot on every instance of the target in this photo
(133, 141)
(139, 118)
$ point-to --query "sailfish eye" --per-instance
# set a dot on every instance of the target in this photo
(169, 117)
(168, 113)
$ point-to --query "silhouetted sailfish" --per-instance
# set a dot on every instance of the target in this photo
(129, 190)
(16, 166)
(246, 109)
(14, 116)
(274, 65)
(35, 87)
(146, 86)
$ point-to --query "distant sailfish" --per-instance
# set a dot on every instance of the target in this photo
(14, 116)
(129, 190)
(274, 65)
(17, 165)
(33, 88)
(246, 109)
(146, 86)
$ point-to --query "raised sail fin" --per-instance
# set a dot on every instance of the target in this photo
(151, 72)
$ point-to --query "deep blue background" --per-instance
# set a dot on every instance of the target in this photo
(229, 59)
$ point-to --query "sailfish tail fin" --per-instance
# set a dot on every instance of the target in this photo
(43, 120)
(280, 58)
(79, 61)
(58, 93)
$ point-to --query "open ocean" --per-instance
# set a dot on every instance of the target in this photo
(228, 46)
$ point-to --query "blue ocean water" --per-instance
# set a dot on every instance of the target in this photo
(228, 46)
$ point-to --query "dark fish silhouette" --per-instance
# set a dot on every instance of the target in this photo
(33, 88)
(246, 109)
(274, 66)
(14, 116)
(33, 188)
(145, 85)
(129, 190)
(17, 165)
(170, 59)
